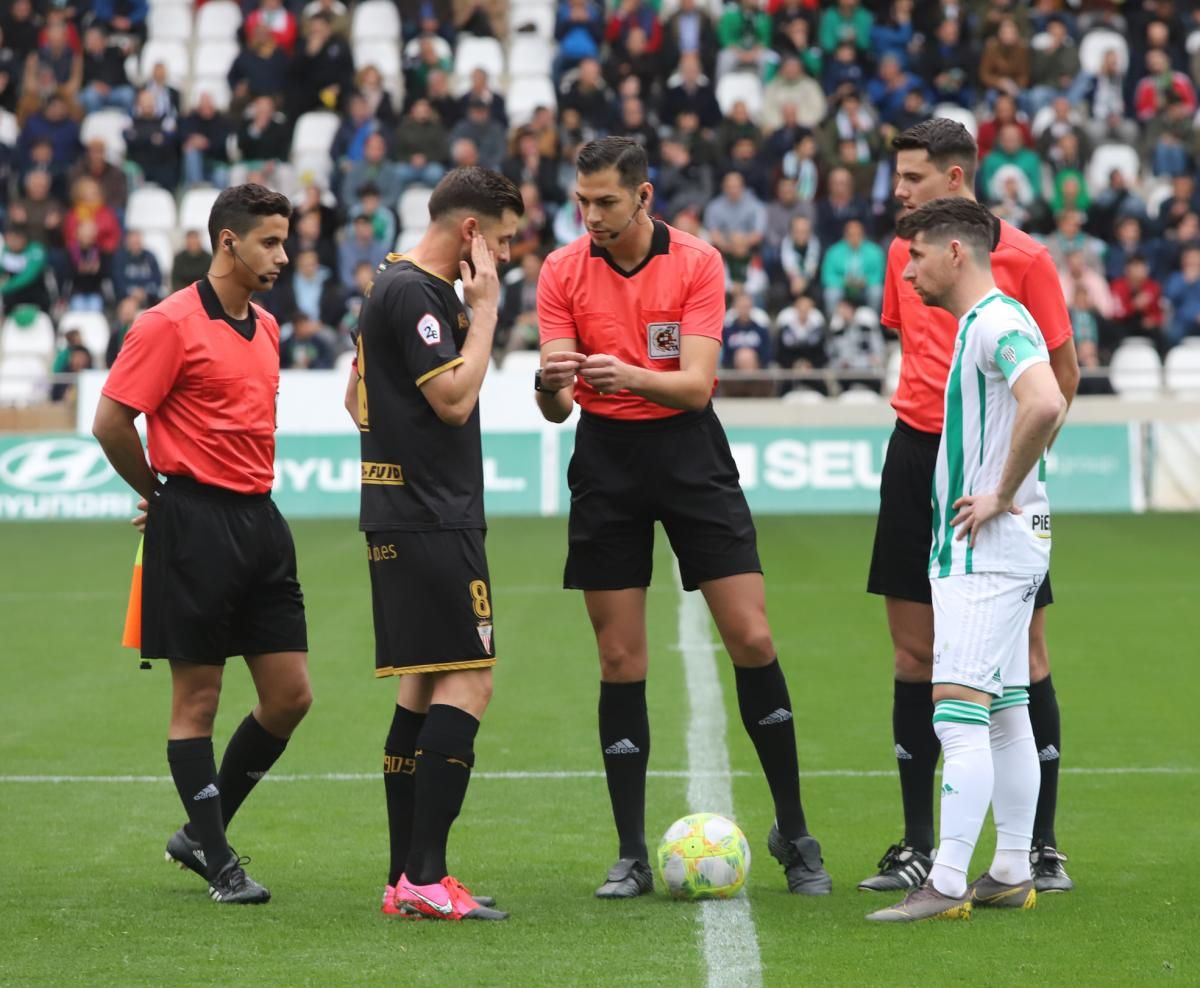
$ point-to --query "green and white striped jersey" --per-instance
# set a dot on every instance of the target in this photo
(997, 341)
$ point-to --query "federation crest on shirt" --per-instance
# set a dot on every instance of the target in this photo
(662, 340)
(429, 329)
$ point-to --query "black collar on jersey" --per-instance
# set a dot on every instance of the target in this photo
(660, 243)
(214, 310)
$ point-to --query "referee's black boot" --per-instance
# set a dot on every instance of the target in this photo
(627, 879)
(802, 863)
(233, 885)
(188, 854)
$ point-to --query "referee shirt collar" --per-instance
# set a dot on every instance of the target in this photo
(660, 243)
(215, 311)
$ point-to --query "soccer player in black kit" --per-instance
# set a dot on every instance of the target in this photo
(414, 394)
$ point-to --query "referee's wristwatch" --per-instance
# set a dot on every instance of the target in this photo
(537, 384)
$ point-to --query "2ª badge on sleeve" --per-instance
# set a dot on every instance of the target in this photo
(429, 329)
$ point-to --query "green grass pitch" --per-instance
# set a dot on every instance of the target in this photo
(85, 897)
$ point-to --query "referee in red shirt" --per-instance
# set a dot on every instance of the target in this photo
(937, 158)
(631, 317)
(219, 566)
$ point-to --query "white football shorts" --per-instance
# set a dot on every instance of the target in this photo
(981, 630)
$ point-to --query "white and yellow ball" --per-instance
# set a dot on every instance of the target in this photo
(703, 856)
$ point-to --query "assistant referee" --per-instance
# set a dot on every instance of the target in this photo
(219, 565)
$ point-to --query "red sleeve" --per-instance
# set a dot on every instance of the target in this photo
(147, 366)
(704, 311)
(287, 37)
(1041, 291)
(890, 316)
(555, 321)
(614, 29)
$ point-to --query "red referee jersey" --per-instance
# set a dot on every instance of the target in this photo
(207, 385)
(1022, 268)
(638, 316)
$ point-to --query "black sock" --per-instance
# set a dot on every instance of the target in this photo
(248, 757)
(625, 743)
(917, 750)
(399, 774)
(445, 754)
(195, 773)
(766, 711)
(1047, 735)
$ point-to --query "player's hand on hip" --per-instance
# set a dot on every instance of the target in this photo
(560, 369)
(605, 373)
(481, 287)
(976, 510)
(140, 521)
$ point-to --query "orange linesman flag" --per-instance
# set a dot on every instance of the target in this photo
(132, 636)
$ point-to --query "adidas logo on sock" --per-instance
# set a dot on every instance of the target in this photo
(779, 716)
(622, 747)
(903, 755)
(1048, 754)
(208, 792)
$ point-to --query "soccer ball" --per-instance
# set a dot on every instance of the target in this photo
(703, 856)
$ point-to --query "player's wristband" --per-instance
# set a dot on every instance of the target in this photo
(537, 384)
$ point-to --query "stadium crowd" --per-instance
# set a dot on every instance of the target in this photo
(767, 123)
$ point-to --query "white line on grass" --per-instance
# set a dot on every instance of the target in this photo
(727, 933)
(551, 776)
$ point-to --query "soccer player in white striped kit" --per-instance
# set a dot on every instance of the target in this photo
(991, 550)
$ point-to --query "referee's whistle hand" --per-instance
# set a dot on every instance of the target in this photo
(140, 521)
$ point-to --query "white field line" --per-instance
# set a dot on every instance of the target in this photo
(726, 933)
(551, 776)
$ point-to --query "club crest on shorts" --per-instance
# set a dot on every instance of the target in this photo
(429, 329)
(663, 340)
(485, 636)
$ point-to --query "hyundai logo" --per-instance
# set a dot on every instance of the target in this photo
(51, 466)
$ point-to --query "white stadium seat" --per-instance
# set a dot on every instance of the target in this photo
(35, 340)
(745, 87)
(529, 55)
(218, 20)
(169, 22)
(217, 86)
(1095, 43)
(108, 126)
(9, 131)
(315, 132)
(93, 330)
(409, 239)
(1136, 370)
(150, 208)
(214, 58)
(952, 111)
(525, 95)
(375, 20)
(538, 16)
(23, 381)
(160, 244)
(173, 54)
(891, 375)
(1107, 158)
(194, 210)
(414, 208)
(800, 395)
(479, 53)
(859, 396)
(385, 56)
(1182, 369)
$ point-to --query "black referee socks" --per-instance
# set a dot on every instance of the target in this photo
(1047, 735)
(766, 710)
(625, 743)
(399, 775)
(444, 758)
(248, 757)
(917, 750)
(195, 773)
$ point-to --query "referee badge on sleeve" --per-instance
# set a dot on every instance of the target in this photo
(663, 340)
(429, 329)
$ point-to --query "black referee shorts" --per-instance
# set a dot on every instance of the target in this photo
(626, 475)
(218, 576)
(904, 529)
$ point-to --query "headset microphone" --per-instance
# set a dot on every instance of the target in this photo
(261, 277)
(632, 217)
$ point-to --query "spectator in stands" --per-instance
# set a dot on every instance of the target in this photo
(335, 10)
(321, 71)
(948, 64)
(635, 61)
(307, 234)
(1011, 197)
(579, 30)
(122, 17)
(204, 135)
(422, 147)
(190, 264)
(688, 90)
(634, 125)
(838, 206)
(88, 206)
(517, 327)
(463, 153)
(627, 15)
(800, 259)
(105, 82)
(260, 69)
(682, 181)
(135, 272)
(359, 246)
(1064, 141)
(114, 186)
(1069, 236)
(843, 72)
(1128, 241)
(10, 75)
(533, 228)
(40, 213)
(56, 54)
(1170, 140)
(802, 338)
(1137, 301)
(1010, 149)
(1112, 204)
(1184, 199)
(1070, 192)
(437, 91)
(423, 56)
(385, 224)
(263, 135)
(88, 281)
(853, 121)
(855, 345)
(1054, 66)
(1004, 66)
(746, 346)
(358, 123)
(526, 163)
(845, 21)
(20, 24)
(1101, 97)
(70, 359)
(369, 84)
(896, 35)
(793, 24)
(736, 222)
(1080, 271)
(1152, 93)
(568, 220)
(22, 270)
(481, 91)
(152, 143)
(690, 31)
(166, 96)
(782, 208)
(347, 327)
(891, 86)
(801, 166)
(792, 86)
(1086, 333)
(736, 126)
(1004, 112)
(376, 170)
(853, 269)
(313, 290)
(278, 19)
(482, 130)
(1182, 290)
(53, 125)
(744, 36)
(588, 94)
(306, 343)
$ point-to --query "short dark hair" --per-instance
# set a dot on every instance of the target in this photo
(624, 154)
(475, 190)
(947, 142)
(242, 207)
(952, 217)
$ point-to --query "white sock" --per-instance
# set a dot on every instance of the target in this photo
(1014, 792)
(962, 728)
